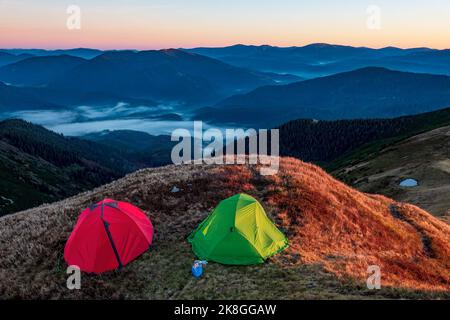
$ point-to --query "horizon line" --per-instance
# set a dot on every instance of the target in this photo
(219, 47)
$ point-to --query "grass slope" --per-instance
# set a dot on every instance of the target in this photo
(424, 157)
(37, 165)
(335, 232)
(335, 144)
(406, 127)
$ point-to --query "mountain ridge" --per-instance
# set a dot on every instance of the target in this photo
(423, 157)
(371, 92)
(38, 165)
(314, 60)
(38, 70)
(153, 74)
(330, 142)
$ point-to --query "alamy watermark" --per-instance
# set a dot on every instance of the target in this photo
(374, 279)
(228, 146)
(73, 21)
(74, 279)
(374, 18)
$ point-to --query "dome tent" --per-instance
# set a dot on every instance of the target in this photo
(237, 232)
(108, 235)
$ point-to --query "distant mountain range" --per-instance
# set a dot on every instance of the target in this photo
(38, 71)
(308, 61)
(324, 59)
(203, 77)
(165, 76)
(171, 75)
(85, 53)
(365, 93)
(7, 58)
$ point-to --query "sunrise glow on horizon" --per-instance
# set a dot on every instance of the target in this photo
(139, 24)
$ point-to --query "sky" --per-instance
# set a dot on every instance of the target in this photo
(154, 24)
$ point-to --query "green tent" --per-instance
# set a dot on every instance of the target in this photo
(237, 232)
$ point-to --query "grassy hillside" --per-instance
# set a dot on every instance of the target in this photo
(39, 166)
(403, 128)
(335, 233)
(338, 144)
(381, 167)
(333, 143)
(138, 147)
(27, 181)
(408, 147)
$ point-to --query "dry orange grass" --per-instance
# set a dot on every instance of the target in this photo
(330, 223)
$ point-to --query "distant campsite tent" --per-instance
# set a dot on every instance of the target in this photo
(108, 235)
(237, 232)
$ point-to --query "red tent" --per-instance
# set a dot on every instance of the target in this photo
(108, 235)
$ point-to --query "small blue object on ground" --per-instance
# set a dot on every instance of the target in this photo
(409, 183)
(197, 268)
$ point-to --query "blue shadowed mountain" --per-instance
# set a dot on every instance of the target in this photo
(132, 140)
(38, 71)
(365, 93)
(225, 78)
(145, 77)
(324, 59)
(15, 98)
(84, 53)
(164, 75)
(7, 58)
